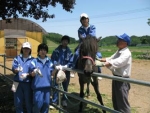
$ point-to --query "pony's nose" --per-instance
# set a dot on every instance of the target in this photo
(88, 73)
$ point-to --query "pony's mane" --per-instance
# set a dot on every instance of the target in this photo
(89, 47)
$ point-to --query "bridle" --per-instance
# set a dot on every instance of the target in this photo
(88, 57)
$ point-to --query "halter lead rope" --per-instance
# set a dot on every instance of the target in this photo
(88, 57)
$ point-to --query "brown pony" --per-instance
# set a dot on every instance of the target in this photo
(86, 62)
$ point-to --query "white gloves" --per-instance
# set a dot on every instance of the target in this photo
(99, 63)
(24, 75)
(14, 86)
(60, 67)
(19, 68)
(37, 71)
(97, 58)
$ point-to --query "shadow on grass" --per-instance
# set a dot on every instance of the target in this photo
(6, 97)
(73, 106)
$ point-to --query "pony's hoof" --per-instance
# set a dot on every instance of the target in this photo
(88, 95)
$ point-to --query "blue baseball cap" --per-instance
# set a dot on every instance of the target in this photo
(125, 37)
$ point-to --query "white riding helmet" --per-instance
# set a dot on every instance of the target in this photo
(84, 15)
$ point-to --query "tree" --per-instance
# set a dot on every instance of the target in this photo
(44, 39)
(135, 40)
(32, 8)
(56, 37)
(109, 40)
(145, 39)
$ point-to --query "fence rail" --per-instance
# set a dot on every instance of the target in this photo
(134, 81)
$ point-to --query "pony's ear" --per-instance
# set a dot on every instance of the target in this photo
(99, 38)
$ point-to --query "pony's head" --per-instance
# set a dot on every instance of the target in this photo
(87, 54)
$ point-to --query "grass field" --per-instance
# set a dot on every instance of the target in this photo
(107, 51)
(136, 51)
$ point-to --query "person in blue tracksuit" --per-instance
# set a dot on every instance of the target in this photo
(84, 30)
(41, 68)
(20, 67)
(61, 56)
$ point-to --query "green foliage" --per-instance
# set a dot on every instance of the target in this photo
(56, 37)
(135, 40)
(145, 39)
(142, 52)
(44, 39)
(110, 40)
(107, 41)
(38, 9)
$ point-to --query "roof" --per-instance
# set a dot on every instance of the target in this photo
(22, 24)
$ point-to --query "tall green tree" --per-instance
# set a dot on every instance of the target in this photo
(37, 9)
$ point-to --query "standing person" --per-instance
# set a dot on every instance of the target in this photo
(120, 65)
(22, 79)
(61, 56)
(41, 68)
(84, 30)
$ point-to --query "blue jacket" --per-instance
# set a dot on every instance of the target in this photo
(62, 57)
(18, 60)
(90, 31)
(46, 70)
(99, 55)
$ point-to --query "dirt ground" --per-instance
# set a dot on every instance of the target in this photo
(139, 96)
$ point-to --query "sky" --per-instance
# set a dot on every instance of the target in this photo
(110, 17)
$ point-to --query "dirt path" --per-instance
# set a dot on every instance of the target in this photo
(139, 96)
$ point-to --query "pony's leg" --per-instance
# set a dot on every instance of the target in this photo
(96, 88)
(81, 94)
(88, 89)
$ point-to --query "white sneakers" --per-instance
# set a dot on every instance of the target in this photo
(72, 74)
(64, 103)
(51, 107)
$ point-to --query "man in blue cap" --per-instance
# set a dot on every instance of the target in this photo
(120, 65)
